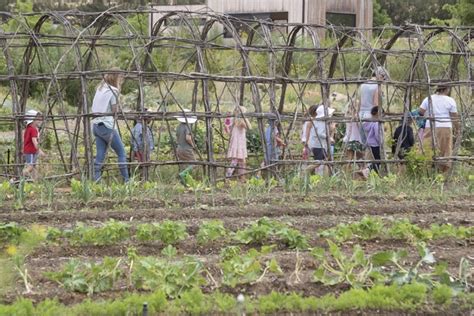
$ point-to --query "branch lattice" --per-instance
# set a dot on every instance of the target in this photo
(211, 62)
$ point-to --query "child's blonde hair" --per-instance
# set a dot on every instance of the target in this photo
(111, 79)
(239, 119)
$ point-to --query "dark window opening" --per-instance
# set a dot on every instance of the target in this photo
(341, 19)
(280, 17)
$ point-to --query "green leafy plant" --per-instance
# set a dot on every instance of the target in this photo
(5, 190)
(367, 228)
(339, 233)
(172, 277)
(121, 191)
(302, 182)
(336, 268)
(53, 234)
(211, 231)
(403, 229)
(257, 186)
(400, 271)
(171, 232)
(88, 277)
(292, 238)
(258, 232)
(82, 190)
(147, 232)
(417, 164)
(249, 267)
(111, 232)
(10, 232)
(229, 252)
(450, 231)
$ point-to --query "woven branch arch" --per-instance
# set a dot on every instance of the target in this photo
(326, 62)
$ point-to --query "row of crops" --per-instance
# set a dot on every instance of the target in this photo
(226, 261)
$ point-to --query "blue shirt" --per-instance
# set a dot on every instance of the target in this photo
(137, 139)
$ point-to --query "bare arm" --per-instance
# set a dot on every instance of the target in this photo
(189, 140)
(456, 123)
(36, 144)
(280, 141)
(376, 98)
(308, 131)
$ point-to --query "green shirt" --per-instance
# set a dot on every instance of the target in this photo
(181, 133)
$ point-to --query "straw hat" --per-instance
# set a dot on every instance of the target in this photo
(186, 118)
(320, 111)
(30, 116)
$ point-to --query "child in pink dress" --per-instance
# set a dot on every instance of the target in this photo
(237, 151)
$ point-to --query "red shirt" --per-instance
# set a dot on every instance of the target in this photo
(30, 133)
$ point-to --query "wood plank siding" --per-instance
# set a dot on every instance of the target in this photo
(299, 11)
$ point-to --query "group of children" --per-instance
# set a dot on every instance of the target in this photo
(316, 138)
(363, 133)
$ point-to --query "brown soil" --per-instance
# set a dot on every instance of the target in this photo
(306, 214)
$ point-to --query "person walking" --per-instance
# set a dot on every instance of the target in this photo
(186, 146)
(317, 138)
(374, 141)
(441, 115)
(237, 151)
(31, 148)
(370, 96)
(352, 139)
(309, 115)
(403, 135)
(138, 144)
(104, 128)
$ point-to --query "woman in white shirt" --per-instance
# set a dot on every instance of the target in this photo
(439, 114)
(103, 128)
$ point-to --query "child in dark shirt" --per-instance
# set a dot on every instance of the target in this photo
(404, 134)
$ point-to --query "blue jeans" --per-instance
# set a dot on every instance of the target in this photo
(104, 136)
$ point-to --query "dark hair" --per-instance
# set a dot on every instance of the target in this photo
(312, 110)
(374, 111)
(441, 88)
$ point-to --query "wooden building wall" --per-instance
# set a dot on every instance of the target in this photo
(299, 11)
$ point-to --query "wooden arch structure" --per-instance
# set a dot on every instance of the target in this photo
(276, 68)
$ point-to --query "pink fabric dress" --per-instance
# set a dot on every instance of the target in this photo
(238, 143)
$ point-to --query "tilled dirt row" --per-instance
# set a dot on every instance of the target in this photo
(306, 214)
(328, 210)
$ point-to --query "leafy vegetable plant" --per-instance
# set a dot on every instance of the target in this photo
(293, 238)
(403, 229)
(241, 268)
(171, 276)
(88, 277)
(10, 232)
(367, 228)
(258, 232)
(335, 267)
(171, 232)
(400, 272)
(111, 232)
(210, 231)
